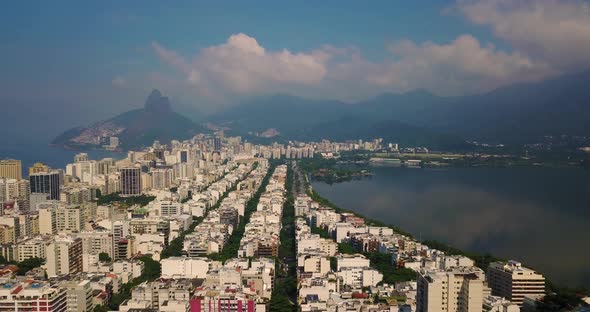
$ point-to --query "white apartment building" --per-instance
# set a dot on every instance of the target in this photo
(169, 208)
(64, 256)
(185, 267)
(79, 295)
(360, 277)
(32, 248)
(513, 281)
(351, 261)
(96, 242)
(134, 267)
(83, 170)
(315, 264)
(499, 304)
(149, 244)
(449, 262)
(456, 290)
(70, 219)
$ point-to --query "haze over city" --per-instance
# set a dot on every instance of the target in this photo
(295, 156)
(92, 60)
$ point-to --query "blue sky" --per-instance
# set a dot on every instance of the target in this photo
(47, 40)
(78, 61)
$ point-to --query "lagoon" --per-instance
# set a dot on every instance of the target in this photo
(539, 216)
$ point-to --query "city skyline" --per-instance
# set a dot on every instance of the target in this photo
(283, 156)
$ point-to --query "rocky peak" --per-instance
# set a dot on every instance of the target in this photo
(157, 103)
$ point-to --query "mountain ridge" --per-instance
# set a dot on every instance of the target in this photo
(514, 114)
(135, 128)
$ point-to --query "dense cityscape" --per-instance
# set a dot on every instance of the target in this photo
(309, 156)
(217, 224)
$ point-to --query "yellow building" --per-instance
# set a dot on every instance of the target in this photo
(7, 234)
(11, 169)
(38, 167)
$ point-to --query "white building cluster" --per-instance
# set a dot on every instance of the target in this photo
(92, 224)
(213, 233)
(91, 248)
(261, 234)
(330, 281)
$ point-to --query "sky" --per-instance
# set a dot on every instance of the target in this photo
(67, 63)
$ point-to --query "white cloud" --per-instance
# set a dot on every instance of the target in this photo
(242, 66)
(458, 67)
(546, 37)
(170, 57)
(556, 32)
(119, 81)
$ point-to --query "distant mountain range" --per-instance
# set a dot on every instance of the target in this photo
(136, 128)
(513, 115)
(521, 113)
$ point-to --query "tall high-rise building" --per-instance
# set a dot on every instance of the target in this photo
(514, 282)
(162, 178)
(79, 294)
(120, 241)
(38, 167)
(70, 219)
(12, 189)
(47, 218)
(461, 289)
(11, 169)
(96, 242)
(106, 166)
(159, 153)
(217, 143)
(64, 256)
(184, 156)
(130, 181)
(81, 157)
(46, 183)
(84, 170)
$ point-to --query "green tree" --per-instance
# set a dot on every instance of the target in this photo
(104, 257)
(101, 308)
(230, 250)
(286, 281)
(29, 264)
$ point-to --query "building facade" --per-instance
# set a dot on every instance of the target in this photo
(130, 181)
(11, 169)
(514, 282)
(46, 183)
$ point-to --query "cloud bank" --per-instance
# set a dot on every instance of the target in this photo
(547, 38)
(556, 32)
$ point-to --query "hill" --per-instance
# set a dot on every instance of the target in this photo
(517, 114)
(136, 128)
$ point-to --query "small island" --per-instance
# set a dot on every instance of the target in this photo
(333, 171)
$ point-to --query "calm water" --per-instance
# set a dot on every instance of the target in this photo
(56, 157)
(540, 216)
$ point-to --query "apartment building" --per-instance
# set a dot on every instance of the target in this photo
(514, 282)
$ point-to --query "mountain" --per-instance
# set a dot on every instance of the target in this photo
(136, 128)
(285, 112)
(521, 113)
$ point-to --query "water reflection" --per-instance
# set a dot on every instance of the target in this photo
(537, 216)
